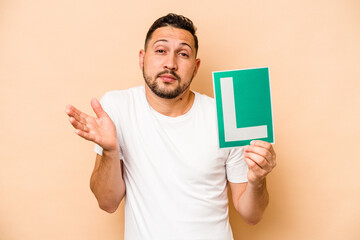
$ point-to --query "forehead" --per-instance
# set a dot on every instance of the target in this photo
(172, 34)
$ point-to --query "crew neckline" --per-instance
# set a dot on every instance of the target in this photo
(163, 117)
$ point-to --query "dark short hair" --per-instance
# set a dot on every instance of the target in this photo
(176, 21)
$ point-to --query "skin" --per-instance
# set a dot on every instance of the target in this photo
(106, 181)
(251, 199)
(170, 50)
(169, 64)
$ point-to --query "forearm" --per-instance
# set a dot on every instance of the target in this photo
(253, 202)
(107, 182)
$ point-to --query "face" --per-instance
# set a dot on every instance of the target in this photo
(169, 63)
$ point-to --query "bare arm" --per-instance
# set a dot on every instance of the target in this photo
(106, 180)
(251, 199)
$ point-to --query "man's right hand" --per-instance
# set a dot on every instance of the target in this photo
(106, 182)
(100, 130)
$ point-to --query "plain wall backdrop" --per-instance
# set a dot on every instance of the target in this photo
(63, 51)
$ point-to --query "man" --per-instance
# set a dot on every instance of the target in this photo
(157, 144)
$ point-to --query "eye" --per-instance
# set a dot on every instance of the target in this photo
(160, 51)
(184, 54)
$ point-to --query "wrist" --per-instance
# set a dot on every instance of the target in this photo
(257, 186)
(111, 153)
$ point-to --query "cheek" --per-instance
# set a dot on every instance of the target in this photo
(147, 65)
(190, 70)
(152, 65)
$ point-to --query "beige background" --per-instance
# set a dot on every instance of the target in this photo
(63, 51)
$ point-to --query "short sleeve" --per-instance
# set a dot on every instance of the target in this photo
(236, 167)
(98, 149)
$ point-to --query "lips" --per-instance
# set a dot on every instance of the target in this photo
(168, 77)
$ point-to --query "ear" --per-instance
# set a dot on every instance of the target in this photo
(141, 59)
(197, 66)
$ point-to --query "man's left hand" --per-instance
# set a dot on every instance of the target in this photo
(261, 159)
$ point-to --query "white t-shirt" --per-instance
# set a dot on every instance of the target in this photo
(175, 173)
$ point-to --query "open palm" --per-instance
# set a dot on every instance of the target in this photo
(100, 130)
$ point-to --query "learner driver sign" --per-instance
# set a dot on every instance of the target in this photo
(244, 109)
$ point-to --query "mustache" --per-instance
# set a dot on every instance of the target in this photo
(168, 72)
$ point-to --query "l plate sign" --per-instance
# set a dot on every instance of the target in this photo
(243, 103)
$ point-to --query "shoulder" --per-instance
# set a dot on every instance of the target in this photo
(205, 103)
(204, 99)
(115, 97)
(120, 104)
(124, 93)
(205, 106)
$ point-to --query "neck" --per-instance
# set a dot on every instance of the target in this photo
(171, 107)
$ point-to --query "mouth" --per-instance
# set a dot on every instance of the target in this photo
(168, 77)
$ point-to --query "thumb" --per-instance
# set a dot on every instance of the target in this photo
(96, 106)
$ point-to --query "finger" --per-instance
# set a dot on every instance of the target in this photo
(251, 163)
(85, 135)
(77, 118)
(263, 144)
(69, 110)
(96, 106)
(78, 125)
(72, 111)
(259, 160)
(258, 150)
(256, 169)
(263, 152)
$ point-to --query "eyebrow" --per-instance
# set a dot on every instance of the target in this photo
(164, 40)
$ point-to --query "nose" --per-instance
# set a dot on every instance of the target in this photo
(170, 62)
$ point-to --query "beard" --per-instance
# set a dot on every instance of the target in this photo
(163, 92)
